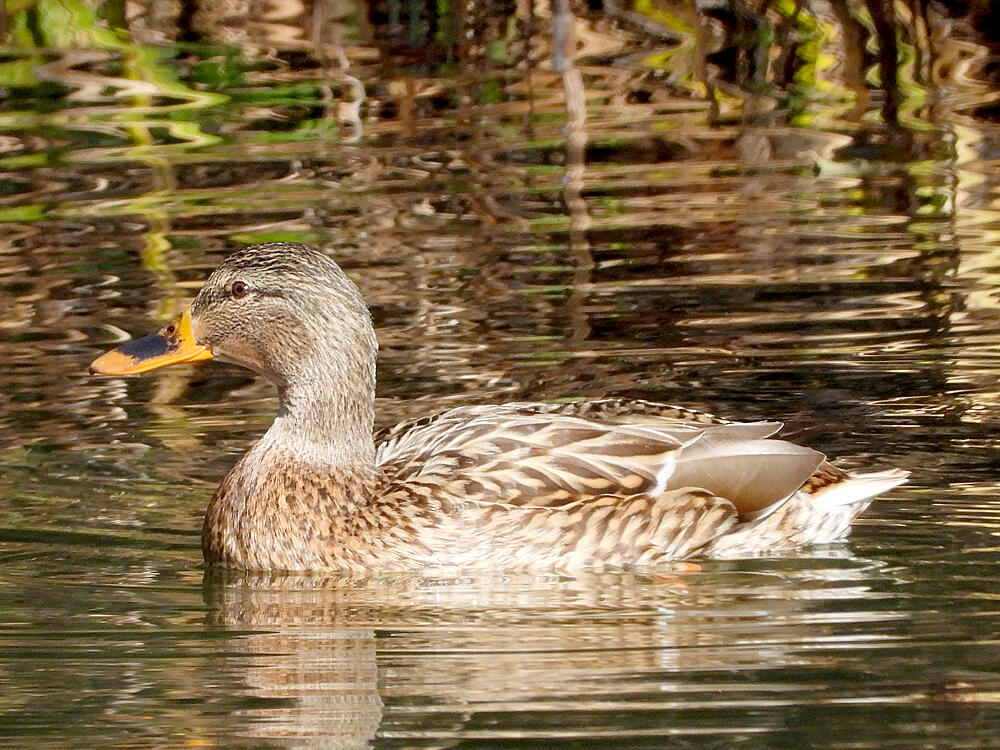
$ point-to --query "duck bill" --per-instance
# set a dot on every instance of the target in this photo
(173, 344)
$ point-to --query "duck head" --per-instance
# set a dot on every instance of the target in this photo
(280, 309)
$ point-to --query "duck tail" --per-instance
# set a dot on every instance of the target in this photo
(859, 488)
(821, 512)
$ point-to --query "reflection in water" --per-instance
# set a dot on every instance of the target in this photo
(735, 206)
(314, 670)
(508, 644)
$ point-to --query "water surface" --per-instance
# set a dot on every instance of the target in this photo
(660, 213)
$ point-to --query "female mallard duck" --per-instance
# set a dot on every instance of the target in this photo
(525, 485)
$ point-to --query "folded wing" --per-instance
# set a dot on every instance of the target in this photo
(526, 455)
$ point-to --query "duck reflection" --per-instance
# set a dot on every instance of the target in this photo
(339, 662)
(314, 665)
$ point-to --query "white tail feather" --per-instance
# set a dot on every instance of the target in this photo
(860, 487)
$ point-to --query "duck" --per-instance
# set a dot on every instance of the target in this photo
(602, 484)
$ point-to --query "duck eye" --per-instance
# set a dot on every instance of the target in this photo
(170, 330)
(240, 289)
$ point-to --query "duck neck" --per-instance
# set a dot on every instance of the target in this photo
(323, 423)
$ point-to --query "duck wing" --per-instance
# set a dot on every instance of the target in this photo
(540, 455)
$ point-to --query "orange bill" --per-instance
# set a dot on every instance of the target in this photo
(171, 345)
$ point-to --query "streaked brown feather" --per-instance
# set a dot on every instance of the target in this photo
(495, 487)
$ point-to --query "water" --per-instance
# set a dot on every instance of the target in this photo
(759, 239)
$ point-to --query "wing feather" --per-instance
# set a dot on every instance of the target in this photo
(544, 455)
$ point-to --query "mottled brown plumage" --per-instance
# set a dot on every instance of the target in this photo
(598, 484)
